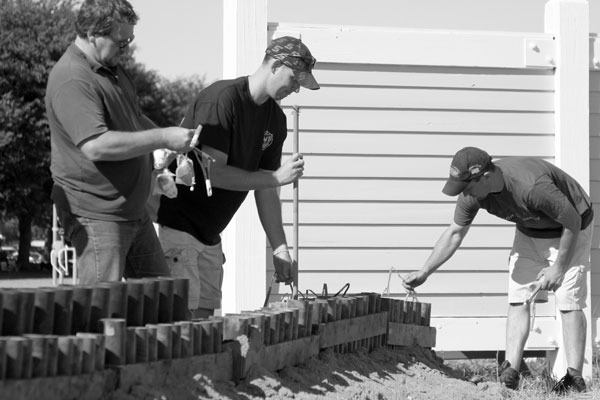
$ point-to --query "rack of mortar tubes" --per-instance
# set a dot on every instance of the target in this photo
(408, 323)
(289, 332)
(55, 340)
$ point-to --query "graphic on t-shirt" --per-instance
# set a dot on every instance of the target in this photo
(267, 140)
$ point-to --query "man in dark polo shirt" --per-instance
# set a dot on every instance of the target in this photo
(243, 130)
(101, 149)
(551, 249)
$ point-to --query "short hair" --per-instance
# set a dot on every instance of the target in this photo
(98, 17)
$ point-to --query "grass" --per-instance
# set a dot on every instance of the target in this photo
(534, 387)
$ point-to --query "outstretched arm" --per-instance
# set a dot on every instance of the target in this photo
(233, 178)
(269, 211)
(445, 247)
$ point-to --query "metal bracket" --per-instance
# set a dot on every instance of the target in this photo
(540, 53)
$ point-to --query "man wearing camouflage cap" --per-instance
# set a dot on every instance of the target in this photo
(243, 130)
(551, 249)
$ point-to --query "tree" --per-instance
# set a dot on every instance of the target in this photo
(163, 101)
(33, 36)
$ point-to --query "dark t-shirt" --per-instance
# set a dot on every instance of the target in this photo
(538, 196)
(83, 100)
(251, 135)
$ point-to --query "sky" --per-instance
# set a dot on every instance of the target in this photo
(185, 37)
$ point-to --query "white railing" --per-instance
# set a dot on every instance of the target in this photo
(62, 257)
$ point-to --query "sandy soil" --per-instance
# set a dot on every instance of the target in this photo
(411, 373)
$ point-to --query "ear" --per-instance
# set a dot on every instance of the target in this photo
(276, 64)
(91, 38)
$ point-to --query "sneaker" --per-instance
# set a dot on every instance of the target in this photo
(572, 381)
(509, 376)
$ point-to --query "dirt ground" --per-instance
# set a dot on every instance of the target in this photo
(411, 374)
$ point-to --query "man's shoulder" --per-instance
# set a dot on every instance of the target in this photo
(69, 68)
(223, 91)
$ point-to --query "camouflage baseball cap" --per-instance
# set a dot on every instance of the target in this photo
(293, 53)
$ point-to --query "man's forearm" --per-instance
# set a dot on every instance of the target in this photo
(116, 145)
(233, 178)
(445, 247)
(269, 212)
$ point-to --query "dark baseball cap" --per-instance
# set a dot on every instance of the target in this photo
(468, 163)
(293, 53)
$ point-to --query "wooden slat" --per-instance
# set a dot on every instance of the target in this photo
(430, 98)
(379, 213)
(401, 259)
(419, 144)
(409, 335)
(488, 334)
(349, 330)
(438, 283)
(425, 121)
(437, 77)
(392, 236)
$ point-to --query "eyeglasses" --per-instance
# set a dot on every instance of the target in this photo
(123, 43)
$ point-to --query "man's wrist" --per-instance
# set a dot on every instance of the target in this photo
(282, 248)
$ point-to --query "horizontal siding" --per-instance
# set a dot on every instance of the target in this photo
(442, 282)
(433, 77)
(396, 236)
(403, 260)
(425, 144)
(379, 213)
(369, 120)
(416, 98)
(377, 142)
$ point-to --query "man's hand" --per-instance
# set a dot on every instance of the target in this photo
(291, 170)
(414, 279)
(181, 140)
(551, 277)
(286, 270)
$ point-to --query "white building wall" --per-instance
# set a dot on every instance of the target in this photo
(378, 141)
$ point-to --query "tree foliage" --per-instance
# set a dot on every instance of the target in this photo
(163, 101)
(33, 36)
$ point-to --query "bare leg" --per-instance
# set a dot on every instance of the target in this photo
(517, 331)
(574, 326)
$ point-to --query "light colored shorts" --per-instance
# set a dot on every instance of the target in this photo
(529, 255)
(187, 257)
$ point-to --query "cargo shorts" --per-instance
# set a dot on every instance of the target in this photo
(202, 264)
(530, 255)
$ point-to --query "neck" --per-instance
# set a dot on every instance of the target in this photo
(257, 87)
(87, 48)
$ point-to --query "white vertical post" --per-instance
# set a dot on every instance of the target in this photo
(568, 21)
(244, 241)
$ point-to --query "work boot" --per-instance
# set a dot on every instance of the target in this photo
(572, 381)
(509, 376)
